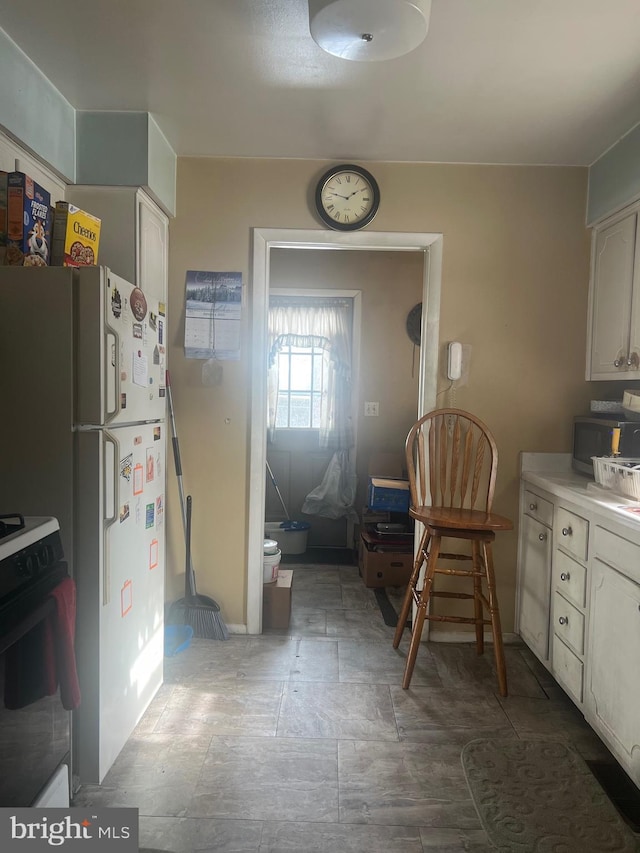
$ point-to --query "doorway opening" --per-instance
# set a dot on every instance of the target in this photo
(264, 240)
(313, 357)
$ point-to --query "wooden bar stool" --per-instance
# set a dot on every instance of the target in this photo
(452, 462)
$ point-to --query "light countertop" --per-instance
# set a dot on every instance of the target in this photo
(552, 472)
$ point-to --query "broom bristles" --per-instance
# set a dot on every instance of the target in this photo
(206, 620)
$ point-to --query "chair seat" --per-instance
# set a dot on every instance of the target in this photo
(447, 518)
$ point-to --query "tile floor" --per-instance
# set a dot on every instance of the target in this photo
(304, 742)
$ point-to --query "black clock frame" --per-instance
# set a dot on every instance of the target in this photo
(346, 226)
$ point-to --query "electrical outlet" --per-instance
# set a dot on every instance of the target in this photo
(371, 410)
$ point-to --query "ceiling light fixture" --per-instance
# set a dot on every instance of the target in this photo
(369, 30)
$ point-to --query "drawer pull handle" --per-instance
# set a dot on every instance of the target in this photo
(533, 506)
(563, 620)
(542, 536)
(567, 531)
(565, 576)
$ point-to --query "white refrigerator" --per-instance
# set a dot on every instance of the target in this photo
(82, 427)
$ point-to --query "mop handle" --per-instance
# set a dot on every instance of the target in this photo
(275, 486)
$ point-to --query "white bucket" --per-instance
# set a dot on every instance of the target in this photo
(290, 541)
(270, 563)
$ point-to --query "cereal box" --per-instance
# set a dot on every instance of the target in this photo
(28, 222)
(76, 237)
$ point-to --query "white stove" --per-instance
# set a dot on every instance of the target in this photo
(35, 728)
(30, 549)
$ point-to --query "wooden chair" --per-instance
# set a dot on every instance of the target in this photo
(452, 464)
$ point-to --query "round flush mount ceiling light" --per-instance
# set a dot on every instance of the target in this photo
(369, 30)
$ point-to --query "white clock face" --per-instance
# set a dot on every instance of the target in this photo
(347, 199)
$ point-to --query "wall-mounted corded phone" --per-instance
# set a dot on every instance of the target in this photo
(454, 363)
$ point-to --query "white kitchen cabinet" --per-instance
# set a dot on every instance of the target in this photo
(613, 687)
(613, 340)
(593, 602)
(134, 240)
(534, 572)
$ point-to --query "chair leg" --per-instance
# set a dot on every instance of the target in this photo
(495, 620)
(413, 582)
(476, 564)
(421, 614)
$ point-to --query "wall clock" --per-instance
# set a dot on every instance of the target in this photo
(347, 197)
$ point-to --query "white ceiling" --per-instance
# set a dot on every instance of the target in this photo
(495, 81)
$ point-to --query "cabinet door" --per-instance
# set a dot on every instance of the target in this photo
(611, 297)
(613, 664)
(152, 249)
(535, 586)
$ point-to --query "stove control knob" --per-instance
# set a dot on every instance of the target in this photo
(45, 556)
(28, 566)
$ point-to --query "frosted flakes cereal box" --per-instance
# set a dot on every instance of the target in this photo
(28, 239)
(76, 236)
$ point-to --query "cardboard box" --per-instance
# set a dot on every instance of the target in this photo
(28, 241)
(276, 601)
(384, 568)
(76, 237)
(386, 494)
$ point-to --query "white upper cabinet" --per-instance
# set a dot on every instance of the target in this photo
(134, 234)
(613, 339)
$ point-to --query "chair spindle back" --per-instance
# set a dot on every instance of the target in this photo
(452, 461)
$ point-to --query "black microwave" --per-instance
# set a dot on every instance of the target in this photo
(595, 437)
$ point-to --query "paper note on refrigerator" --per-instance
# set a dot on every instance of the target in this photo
(140, 368)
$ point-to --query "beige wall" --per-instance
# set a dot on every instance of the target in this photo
(514, 288)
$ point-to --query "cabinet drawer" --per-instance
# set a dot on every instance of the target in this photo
(568, 669)
(568, 623)
(617, 552)
(570, 578)
(572, 533)
(538, 508)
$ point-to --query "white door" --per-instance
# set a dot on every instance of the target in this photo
(121, 360)
(120, 579)
(534, 582)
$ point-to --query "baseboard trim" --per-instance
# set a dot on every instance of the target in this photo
(469, 637)
(237, 629)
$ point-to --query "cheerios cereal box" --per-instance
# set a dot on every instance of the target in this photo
(76, 236)
(28, 240)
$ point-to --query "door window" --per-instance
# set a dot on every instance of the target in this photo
(301, 387)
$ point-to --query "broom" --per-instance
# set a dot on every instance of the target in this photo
(199, 611)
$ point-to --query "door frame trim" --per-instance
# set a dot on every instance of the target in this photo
(263, 240)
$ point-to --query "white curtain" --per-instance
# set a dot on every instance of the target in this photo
(325, 324)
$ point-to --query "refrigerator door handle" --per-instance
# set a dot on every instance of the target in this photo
(112, 364)
(109, 520)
